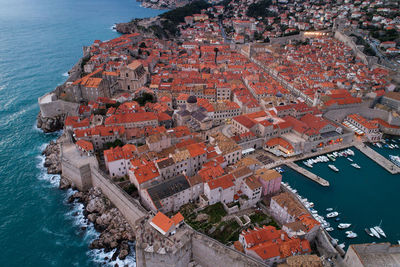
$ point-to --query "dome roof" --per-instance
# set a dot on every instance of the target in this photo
(191, 99)
(279, 94)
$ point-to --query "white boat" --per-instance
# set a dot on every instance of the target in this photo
(380, 231)
(379, 145)
(329, 209)
(329, 229)
(311, 204)
(350, 152)
(351, 235)
(331, 157)
(369, 232)
(349, 159)
(396, 146)
(314, 212)
(374, 232)
(398, 241)
(344, 225)
(341, 245)
(355, 165)
(332, 214)
(309, 165)
(333, 167)
(395, 159)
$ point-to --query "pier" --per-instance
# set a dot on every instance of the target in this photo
(378, 158)
(308, 174)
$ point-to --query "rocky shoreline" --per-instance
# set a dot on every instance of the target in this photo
(115, 231)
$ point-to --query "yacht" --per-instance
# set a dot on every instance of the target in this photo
(380, 231)
(331, 157)
(396, 146)
(332, 214)
(329, 229)
(351, 235)
(309, 165)
(333, 167)
(344, 225)
(350, 152)
(349, 159)
(341, 245)
(374, 232)
(369, 232)
(329, 209)
(395, 159)
(379, 145)
(355, 165)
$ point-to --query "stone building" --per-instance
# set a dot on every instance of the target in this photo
(133, 76)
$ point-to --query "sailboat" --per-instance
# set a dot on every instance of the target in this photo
(379, 230)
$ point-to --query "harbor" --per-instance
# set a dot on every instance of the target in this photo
(352, 194)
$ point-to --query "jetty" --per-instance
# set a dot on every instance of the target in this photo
(378, 158)
(308, 174)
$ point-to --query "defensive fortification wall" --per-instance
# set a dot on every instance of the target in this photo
(210, 253)
(51, 107)
(179, 258)
(347, 40)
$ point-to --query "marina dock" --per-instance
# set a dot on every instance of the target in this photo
(308, 174)
(378, 158)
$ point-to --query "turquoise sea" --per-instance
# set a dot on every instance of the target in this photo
(363, 197)
(39, 42)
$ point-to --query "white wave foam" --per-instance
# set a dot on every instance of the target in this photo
(113, 28)
(101, 257)
(2, 87)
(65, 74)
(53, 179)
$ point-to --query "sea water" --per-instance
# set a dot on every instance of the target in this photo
(39, 42)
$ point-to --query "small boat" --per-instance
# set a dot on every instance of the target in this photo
(395, 159)
(369, 232)
(398, 241)
(351, 235)
(314, 212)
(329, 209)
(332, 214)
(329, 229)
(396, 146)
(355, 165)
(349, 159)
(331, 157)
(311, 204)
(342, 245)
(344, 225)
(333, 167)
(379, 145)
(380, 231)
(374, 232)
(337, 219)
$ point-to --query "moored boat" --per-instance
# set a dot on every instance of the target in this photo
(329, 209)
(349, 159)
(332, 214)
(380, 231)
(344, 225)
(368, 232)
(395, 159)
(374, 232)
(355, 165)
(351, 235)
(333, 167)
(329, 229)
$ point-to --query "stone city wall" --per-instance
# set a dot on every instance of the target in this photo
(179, 258)
(347, 40)
(51, 107)
(210, 253)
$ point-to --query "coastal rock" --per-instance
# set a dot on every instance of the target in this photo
(64, 183)
(49, 125)
(96, 205)
(53, 158)
(122, 254)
